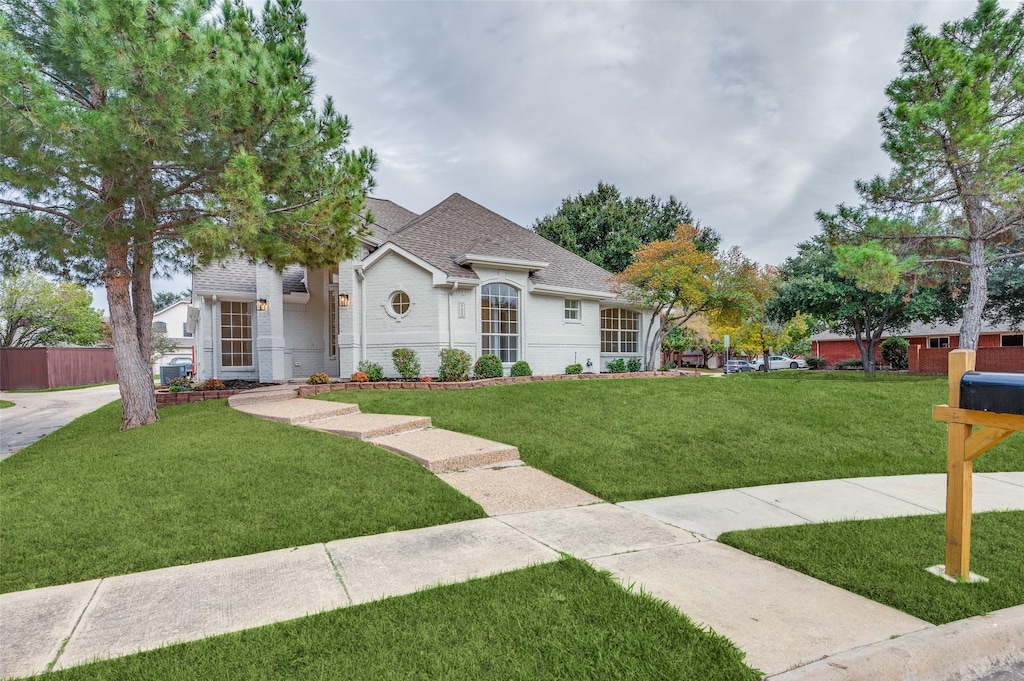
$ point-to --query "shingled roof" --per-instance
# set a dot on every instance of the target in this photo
(388, 217)
(458, 226)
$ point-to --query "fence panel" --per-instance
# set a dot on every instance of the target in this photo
(43, 368)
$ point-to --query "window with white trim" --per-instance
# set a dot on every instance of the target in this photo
(1011, 340)
(572, 310)
(499, 316)
(235, 334)
(400, 303)
(620, 331)
(938, 342)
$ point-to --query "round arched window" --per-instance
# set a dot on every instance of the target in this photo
(400, 303)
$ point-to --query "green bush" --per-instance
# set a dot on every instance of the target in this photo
(574, 369)
(816, 362)
(850, 364)
(634, 364)
(894, 352)
(455, 365)
(406, 363)
(488, 366)
(616, 366)
(319, 378)
(521, 368)
(667, 366)
(179, 385)
(373, 371)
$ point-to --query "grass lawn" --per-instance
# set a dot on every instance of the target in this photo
(6, 403)
(205, 482)
(885, 560)
(641, 438)
(558, 621)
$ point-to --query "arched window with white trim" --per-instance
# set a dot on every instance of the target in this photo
(499, 315)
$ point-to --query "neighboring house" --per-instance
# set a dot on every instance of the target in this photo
(173, 321)
(937, 337)
(456, 276)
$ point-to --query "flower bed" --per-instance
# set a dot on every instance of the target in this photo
(307, 390)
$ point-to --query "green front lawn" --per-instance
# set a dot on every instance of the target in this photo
(641, 438)
(558, 621)
(205, 482)
(885, 560)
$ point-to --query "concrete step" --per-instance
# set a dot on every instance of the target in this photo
(296, 411)
(369, 426)
(442, 450)
(274, 393)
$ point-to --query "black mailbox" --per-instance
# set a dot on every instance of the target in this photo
(994, 392)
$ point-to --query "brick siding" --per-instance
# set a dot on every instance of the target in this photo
(936, 360)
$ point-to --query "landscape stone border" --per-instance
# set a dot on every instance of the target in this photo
(165, 398)
(307, 390)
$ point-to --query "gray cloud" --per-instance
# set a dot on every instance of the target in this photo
(756, 114)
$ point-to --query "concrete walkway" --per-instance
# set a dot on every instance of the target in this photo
(782, 619)
(37, 414)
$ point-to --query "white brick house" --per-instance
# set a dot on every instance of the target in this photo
(457, 276)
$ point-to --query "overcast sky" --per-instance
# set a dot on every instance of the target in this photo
(755, 114)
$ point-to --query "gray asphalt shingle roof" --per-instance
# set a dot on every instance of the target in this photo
(388, 216)
(458, 226)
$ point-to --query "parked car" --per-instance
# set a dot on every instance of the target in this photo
(737, 366)
(182, 361)
(780, 362)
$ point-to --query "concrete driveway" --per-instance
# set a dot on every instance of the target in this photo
(37, 414)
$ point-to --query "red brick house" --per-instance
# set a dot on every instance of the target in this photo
(1000, 347)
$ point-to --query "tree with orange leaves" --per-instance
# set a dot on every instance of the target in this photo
(678, 281)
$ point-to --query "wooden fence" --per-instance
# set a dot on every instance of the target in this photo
(42, 368)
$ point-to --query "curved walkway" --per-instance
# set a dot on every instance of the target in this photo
(782, 619)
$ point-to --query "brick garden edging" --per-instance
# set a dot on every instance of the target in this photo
(165, 398)
(307, 390)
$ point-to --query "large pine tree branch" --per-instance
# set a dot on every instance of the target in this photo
(40, 209)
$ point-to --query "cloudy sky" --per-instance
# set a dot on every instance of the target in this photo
(755, 114)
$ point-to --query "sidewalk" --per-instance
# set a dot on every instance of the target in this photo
(781, 619)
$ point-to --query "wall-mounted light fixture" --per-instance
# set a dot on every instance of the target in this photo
(343, 299)
(262, 305)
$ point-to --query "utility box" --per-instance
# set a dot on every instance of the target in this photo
(171, 372)
(1000, 393)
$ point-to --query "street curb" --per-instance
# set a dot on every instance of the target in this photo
(957, 651)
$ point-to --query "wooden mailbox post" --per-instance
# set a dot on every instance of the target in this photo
(963, 446)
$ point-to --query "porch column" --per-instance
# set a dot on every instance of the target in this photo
(269, 341)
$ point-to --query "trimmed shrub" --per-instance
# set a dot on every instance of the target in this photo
(854, 363)
(406, 363)
(455, 365)
(488, 366)
(616, 366)
(212, 384)
(179, 385)
(319, 378)
(359, 377)
(373, 371)
(667, 366)
(816, 362)
(894, 352)
(634, 364)
(521, 368)
(574, 369)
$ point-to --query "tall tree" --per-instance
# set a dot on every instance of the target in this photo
(814, 283)
(954, 129)
(679, 281)
(37, 312)
(137, 134)
(607, 229)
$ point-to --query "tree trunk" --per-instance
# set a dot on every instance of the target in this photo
(142, 298)
(134, 377)
(970, 328)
